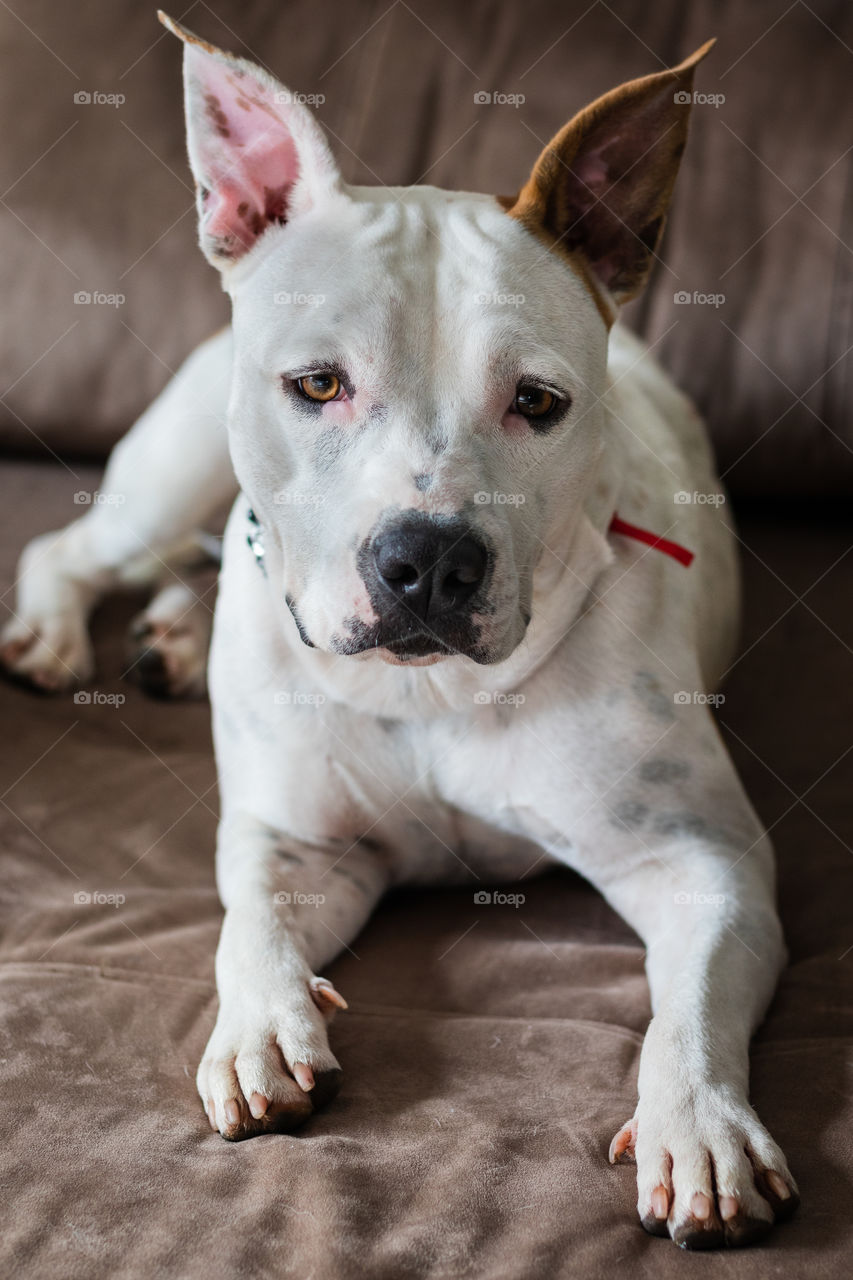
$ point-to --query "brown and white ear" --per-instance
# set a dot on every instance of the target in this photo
(604, 183)
(257, 154)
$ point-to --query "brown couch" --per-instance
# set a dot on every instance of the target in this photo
(487, 1064)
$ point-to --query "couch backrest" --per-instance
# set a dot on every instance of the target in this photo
(98, 197)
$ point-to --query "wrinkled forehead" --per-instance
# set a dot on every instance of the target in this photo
(412, 273)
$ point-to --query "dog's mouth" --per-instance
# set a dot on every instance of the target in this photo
(419, 650)
(419, 647)
(391, 642)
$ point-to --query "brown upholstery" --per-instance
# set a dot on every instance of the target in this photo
(107, 205)
(486, 1067)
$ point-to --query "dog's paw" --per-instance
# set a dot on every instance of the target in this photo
(168, 645)
(45, 641)
(708, 1172)
(268, 1071)
(51, 653)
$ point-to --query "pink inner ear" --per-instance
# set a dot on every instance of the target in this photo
(592, 168)
(244, 152)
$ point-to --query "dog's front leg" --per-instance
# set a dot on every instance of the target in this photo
(708, 1171)
(290, 908)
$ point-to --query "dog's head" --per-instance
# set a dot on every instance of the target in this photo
(415, 407)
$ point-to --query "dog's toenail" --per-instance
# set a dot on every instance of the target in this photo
(728, 1207)
(258, 1105)
(303, 1075)
(232, 1112)
(700, 1206)
(322, 988)
(778, 1185)
(660, 1203)
(211, 1114)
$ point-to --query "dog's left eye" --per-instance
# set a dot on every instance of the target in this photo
(319, 386)
(535, 403)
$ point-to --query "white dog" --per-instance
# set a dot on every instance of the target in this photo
(475, 626)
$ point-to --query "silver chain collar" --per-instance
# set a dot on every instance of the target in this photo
(255, 539)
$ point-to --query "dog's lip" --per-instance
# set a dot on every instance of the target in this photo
(419, 649)
(420, 645)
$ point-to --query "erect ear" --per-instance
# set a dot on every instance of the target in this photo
(257, 154)
(604, 183)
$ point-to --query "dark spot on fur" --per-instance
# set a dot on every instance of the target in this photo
(686, 823)
(629, 813)
(649, 689)
(216, 115)
(423, 481)
(662, 770)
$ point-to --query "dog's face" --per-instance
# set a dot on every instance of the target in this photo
(415, 398)
(407, 423)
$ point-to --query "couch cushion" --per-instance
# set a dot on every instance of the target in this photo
(490, 1053)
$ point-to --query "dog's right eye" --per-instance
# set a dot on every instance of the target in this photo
(319, 386)
(532, 401)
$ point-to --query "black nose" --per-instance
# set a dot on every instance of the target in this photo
(434, 567)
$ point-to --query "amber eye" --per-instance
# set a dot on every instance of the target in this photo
(534, 402)
(320, 386)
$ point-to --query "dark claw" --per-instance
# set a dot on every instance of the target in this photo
(655, 1226)
(326, 1086)
(741, 1230)
(694, 1234)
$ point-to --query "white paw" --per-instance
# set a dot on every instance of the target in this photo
(45, 642)
(268, 1067)
(51, 653)
(168, 645)
(708, 1172)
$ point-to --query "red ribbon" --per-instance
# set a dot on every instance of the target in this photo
(674, 549)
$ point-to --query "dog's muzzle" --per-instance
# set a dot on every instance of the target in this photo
(425, 576)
